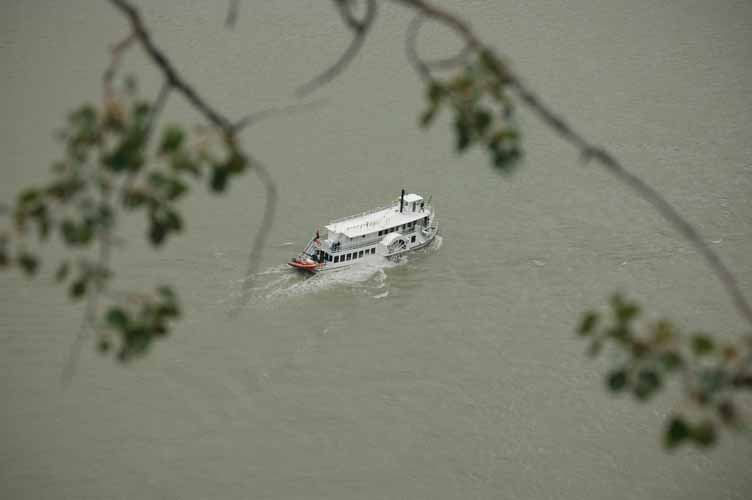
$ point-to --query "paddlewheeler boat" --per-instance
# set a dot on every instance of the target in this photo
(407, 224)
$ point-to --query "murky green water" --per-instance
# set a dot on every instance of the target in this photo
(454, 374)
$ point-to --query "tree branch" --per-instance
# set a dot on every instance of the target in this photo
(424, 66)
(600, 155)
(173, 80)
(232, 14)
(168, 69)
(257, 116)
(359, 29)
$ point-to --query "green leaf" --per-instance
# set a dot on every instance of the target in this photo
(435, 92)
(62, 271)
(617, 380)
(462, 134)
(727, 411)
(29, 197)
(664, 332)
(78, 288)
(104, 345)
(166, 292)
(172, 139)
(219, 178)
(702, 344)
(173, 220)
(482, 120)
(236, 163)
(624, 311)
(704, 434)
(29, 263)
(427, 117)
(134, 198)
(157, 232)
(595, 348)
(676, 432)
(175, 189)
(181, 162)
(117, 318)
(588, 323)
(128, 155)
(648, 382)
(671, 360)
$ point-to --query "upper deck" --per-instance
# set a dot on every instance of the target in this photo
(382, 218)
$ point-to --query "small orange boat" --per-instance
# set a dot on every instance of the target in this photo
(304, 264)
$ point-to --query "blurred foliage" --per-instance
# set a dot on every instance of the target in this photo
(483, 112)
(711, 374)
(109, 168)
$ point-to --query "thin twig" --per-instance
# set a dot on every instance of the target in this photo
(259, 240)
(359, 29)
(258, 116)
(156, 109)
(232, 14)
(117, 53)
(424, 66)
(168, 69)
(94, 291)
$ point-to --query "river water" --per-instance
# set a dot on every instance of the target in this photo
(453, 374)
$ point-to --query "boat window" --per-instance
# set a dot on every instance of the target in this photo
(336, 259)
(349, 256)
(360, 254)
(412, 240)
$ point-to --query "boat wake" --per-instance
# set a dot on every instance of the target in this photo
(281, 283)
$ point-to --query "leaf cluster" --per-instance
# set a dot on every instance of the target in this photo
(483, 113)
(650, 354)
(139, 325)
(109, 168)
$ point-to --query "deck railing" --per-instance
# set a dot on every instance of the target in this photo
(395, 203)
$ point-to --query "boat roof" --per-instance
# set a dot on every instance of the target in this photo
(376, 220)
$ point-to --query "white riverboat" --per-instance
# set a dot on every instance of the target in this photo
(407, 224)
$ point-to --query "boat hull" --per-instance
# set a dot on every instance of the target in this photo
(327, 267)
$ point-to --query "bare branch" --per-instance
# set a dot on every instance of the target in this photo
(452, 21)
(117, 53)
(359, 29)
(232, 14)
(157, 108)
(88, 322)
(258, 116)
(254, 257)
(644, 190)
(168, 69)
(424, 66)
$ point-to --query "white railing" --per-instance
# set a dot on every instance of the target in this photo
(426, 201)
(367, 212)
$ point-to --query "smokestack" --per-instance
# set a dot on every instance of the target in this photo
(402, 200)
